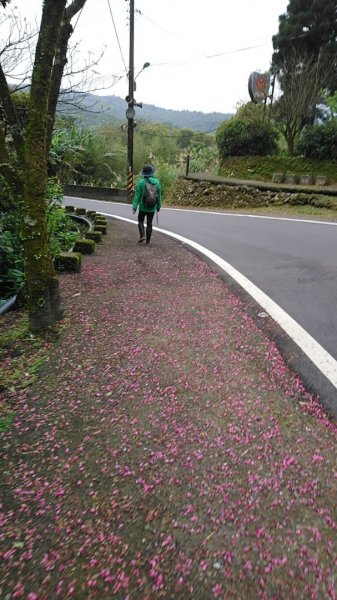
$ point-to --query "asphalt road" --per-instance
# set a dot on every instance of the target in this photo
(292, 261)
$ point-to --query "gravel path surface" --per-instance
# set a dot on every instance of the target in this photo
(166, 450)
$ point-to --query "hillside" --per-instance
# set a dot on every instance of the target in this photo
(103, 110)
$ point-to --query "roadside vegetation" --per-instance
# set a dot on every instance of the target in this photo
(261, 168)
(62, 233)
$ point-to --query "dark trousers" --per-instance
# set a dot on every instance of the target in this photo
(149, 218)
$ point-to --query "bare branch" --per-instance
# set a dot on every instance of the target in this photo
(301, 80)
(17, 47)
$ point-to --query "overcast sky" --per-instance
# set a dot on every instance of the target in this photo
(201, 52)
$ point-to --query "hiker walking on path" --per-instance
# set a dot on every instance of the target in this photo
(147, 197)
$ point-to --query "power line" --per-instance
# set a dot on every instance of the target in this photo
(202, 54)
(118, 42)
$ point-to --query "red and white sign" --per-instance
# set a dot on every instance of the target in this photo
(258, 86)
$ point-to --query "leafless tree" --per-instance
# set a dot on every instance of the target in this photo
(16, 49)
(301, 79)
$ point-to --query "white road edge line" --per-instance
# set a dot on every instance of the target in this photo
(213, 212)
(271, 218)
(315, 352)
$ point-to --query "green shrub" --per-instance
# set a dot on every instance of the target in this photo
(242, 138)
(11, 254)
(319, 141)
(62, 230)
(166, 174)
(203, 159)
(62, 234)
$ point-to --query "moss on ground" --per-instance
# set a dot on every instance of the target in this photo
(21, 357)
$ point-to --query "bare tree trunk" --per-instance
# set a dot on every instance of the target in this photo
(44, 300)
(290, 138)
(290, 146)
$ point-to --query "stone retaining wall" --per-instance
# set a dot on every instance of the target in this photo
(212, 194)
(96, 193)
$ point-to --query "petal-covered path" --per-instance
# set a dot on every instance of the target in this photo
(166, 451)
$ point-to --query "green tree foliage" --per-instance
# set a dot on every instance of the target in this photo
(108, 155)
(308, 28)
(203, 158)
(164, 144)
(11, 254)
(250, 111)
(185, 138)
(319, 141)
(70, 155)
(98, 156)
(331, 103)
(240, 138)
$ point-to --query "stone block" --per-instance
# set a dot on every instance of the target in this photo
(278, 177)
(84, 246)
(306, 180)
(68, 261)
(94, 235)
(101, 228)
(291, 179)
(322, 180)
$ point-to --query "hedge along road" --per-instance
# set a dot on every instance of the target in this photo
(287, 265)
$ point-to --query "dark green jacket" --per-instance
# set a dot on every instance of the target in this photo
(138, 198)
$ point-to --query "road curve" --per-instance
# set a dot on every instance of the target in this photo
(286, 265)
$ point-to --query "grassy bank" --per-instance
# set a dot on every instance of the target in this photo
(262, 168)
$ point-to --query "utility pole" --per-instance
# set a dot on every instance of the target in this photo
(130, 113)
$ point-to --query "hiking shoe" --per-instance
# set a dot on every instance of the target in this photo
(141, 240)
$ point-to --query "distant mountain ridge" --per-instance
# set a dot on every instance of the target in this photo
(104, 110)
